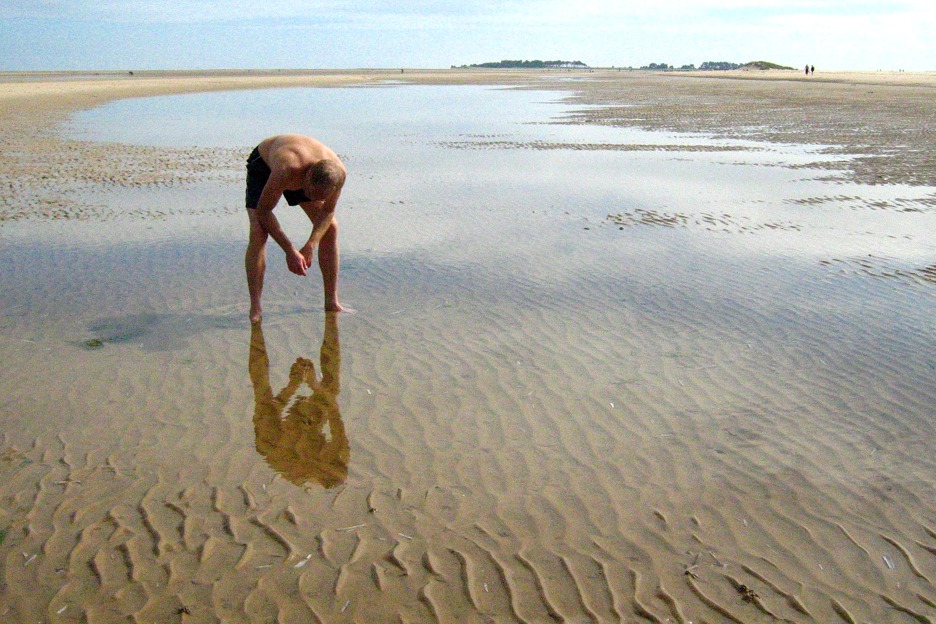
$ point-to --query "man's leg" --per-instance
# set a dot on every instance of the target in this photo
(329, 261)
(255, 263)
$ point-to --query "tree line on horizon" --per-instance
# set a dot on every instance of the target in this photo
(537, 64)
(706, 66)
(715, 66)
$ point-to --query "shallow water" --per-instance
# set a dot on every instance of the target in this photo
(582, 384)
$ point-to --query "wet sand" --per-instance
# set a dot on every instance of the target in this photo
(672, 438)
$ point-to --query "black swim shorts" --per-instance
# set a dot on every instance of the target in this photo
(257, 175)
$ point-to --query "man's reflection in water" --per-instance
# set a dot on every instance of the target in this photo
(293, 436)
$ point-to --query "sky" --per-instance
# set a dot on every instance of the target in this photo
(338, 34)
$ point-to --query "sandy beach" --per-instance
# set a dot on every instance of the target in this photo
(587, 415)
(875, 115)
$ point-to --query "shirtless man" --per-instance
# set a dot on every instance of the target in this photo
(306, 173)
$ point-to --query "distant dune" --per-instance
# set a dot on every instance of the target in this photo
(764, 65)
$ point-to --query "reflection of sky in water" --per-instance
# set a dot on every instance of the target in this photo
(443, 150)
(434, 228)
(351, 119)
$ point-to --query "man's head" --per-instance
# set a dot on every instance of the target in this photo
(324, 178)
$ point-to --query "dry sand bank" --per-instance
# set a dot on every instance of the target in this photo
(883, 118)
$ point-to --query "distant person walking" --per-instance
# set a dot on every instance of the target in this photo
(812, 69)
(306, 173)
(807, 70)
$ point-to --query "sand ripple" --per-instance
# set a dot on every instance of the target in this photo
(679, 455)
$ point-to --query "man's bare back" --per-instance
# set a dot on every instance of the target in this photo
(293, 154)
(309, 174)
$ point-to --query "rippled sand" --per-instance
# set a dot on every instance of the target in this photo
(602, 421)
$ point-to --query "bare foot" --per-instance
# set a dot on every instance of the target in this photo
(255, 315)
(337, 307)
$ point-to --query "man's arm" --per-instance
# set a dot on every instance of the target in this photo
(268, 198)
(322, 218)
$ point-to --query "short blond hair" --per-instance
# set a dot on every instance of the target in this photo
(328, 174)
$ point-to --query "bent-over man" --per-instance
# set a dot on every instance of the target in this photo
(307, 174)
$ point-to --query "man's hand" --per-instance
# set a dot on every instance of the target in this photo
(296, 262)
(308, 252)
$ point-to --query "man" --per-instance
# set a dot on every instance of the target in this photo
(306, 173)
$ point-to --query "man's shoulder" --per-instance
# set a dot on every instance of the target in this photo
(288, 156)
(295, 152)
